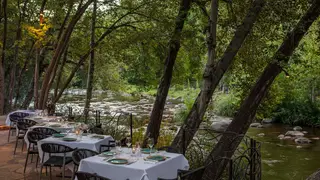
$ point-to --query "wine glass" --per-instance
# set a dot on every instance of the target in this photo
(118, 146)
(151, 144)
(128, 142)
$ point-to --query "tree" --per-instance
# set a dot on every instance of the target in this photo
(241, 122)
(164, 85)
(3, 54)
(212, 76)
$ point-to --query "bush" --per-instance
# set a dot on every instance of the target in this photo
(297, 112)
(226, 104)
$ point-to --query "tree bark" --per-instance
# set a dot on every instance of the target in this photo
(164, 85)
(3, 54)
(60, 72)
(91, 63)
(241, 122)
(45, 88)
(16, 54)
(212, 76)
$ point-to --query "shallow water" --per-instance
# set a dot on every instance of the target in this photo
(281, 159)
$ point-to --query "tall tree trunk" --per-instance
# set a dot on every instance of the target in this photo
(164, 85)
(45, 88)
(240, 124)
(16, 54)
(36, 79)
(27, 100)
(60, 72)
(19, 79)
(212, 76)
(3, 54)
(91, 63)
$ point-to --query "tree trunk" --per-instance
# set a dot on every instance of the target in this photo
(29, 96)
(164, 85)
(241, 122)
(60, 72)
(212, 76)
(3, 54)
(91, 63)
(16, 54)
(36, 79)
(45, 88)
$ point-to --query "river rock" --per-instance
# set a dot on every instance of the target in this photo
(267, 121)
(261, 134)
(294, 133)
(314, 176)
(305, 132)
(315, 138)
(220, 126)
(281, 136)
(297, 128)
(255, 125)
(287, 137)
(302, 140)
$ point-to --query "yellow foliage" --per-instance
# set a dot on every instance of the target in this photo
(38, 33)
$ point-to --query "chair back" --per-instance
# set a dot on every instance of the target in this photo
(55, 148)
(34, 137)
(29, 122)
(22, 126)
(168, 149)
(191, 174)
(17, 116)
(80, 154)
(45, 130)
(88, 176)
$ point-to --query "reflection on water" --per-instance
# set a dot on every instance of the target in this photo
(282, 159)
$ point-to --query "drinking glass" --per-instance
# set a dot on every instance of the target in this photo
(151, 144)
(128, 142)
(118, 146)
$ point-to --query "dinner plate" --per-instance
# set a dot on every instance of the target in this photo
(58, 135)
(156, 158)
(55, 125)
(108, 153)
(98, 136)
(118, 161)
(69, 139)
(147, 151)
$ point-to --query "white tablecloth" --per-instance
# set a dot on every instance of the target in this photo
(30, 112)
(41, 119)
(86, 142)
(140, 170)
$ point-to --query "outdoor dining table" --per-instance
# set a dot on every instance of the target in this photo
(138, 168)
(41, 119)
(86, 142)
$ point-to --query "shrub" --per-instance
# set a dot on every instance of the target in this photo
(226, 104)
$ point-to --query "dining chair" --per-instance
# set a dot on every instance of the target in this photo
(55, 160)
(45, 130)
(22, 128)
(14, 118)
(89, 176)
(108, 146)
(167, 149)
(33, 138)
(188, 174)
(80, 154)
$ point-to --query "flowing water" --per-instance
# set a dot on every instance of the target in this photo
(281, 159)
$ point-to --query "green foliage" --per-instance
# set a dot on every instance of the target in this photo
(226, 104)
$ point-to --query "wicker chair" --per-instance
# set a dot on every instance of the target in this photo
(188, 174)
(14, 118)
(45, 130)
(55, 161)
(33, 138)
(22, 128)
(88, 176)
(108, 146)
(168, 149)
(80, 154)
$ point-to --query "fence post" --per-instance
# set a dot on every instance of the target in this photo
(183, 141)
(230, 169)
(131, 124)
(252, 159)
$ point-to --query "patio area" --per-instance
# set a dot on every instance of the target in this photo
(11, 166)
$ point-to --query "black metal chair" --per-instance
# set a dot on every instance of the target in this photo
(45, 130)
(33, 138)
(14, 118)
(80, 154)
(108, 146)
(89, 176)
(167, 149)
(22, 128)
(54, 160)
(188, 174)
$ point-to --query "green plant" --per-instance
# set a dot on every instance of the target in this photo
(226, 104)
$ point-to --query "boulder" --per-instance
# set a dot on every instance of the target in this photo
(314, 176)
(287, 137)
(261, 134)
(297, 128)
(294, 133)
(255, 125)
(281, 136)
(302, 140)
(260, 126)
(220, 126)
(315, 138)
(267, 121)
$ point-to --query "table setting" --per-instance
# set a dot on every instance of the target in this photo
(134, 164)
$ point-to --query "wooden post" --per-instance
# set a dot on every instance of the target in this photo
(131, 124)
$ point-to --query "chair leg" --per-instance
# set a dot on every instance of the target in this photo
(14, 152)
(22, 145)
(9, 133)
(41, 171)
(50, 173)
(37, 160)
(31, 158)
(63, 171)
(46, 171)
(25, 165)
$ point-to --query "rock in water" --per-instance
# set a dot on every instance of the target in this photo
(281, 136)
(261, 134)
(314, 176)
(302, 140)
(255, 125)
(267, 121)
(287, 137)
(297, 128)
(294, 133)
(220, 126)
